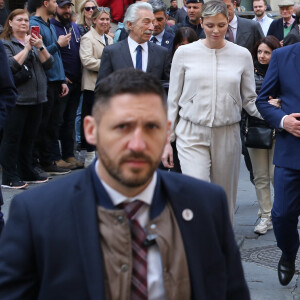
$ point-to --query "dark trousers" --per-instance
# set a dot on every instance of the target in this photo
(49, 129)
(67, 113)
(87, 105)
(286, 210)
(19, 135)
(1, 214)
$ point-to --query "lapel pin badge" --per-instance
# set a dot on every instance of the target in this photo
(167, 42)
(187, 214)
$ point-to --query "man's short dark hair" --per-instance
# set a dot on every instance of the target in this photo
(34, 4)
(265, 1)
(127, 81)
(158, 5)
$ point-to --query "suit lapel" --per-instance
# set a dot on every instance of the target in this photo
(126, 56)
(151, 57)
(296, 58)
(86, 226)
(241, 32)
(189, 232)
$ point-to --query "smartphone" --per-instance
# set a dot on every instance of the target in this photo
(35, 30)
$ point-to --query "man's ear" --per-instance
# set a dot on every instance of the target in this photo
(129, 25)
(167, 17)
(90, 130)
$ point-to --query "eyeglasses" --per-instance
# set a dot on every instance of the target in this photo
(104, 9)
(90, 8)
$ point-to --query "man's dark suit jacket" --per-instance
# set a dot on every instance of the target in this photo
(276, 29)
(278, 85)
(50, 247)
(248, 33)
(167, 40)
(117, 56)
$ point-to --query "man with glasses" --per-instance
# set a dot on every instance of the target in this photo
(136, 51)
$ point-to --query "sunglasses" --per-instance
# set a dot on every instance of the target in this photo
(90, 8)
(104, 9)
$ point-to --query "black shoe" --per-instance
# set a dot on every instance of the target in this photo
(39, 171)
(14, 184)
(36, 179)
(53, 169)
(286, 271)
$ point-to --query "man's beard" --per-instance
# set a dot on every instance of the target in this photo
(259, 14)
(64, 20)
(113, 168)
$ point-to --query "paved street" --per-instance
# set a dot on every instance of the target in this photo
(259, 253)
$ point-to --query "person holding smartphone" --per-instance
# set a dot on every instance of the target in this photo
(28, 58)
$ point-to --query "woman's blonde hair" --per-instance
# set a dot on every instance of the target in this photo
(98, 11)
(80, 18)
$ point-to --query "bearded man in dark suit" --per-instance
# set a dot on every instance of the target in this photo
(124, 230)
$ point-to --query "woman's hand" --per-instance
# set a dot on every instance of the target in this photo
(27, 44)
(275, 102)
(36, 41)
(167, 157)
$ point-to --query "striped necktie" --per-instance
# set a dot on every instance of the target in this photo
(139, 290)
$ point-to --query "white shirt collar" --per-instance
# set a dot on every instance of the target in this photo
(159, 36)
(234, 22)
(133, 44)
(117, 198)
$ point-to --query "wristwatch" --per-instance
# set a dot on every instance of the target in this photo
(42, 48)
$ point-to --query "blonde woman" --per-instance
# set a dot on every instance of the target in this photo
(91, 48)
(84, 20)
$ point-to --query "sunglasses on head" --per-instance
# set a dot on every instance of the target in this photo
(104, 9)
(90, 8)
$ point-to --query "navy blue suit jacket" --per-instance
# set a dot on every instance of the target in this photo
(167, 40)
(117, 56)
(276, 28)
(279, 85)
(50, 246)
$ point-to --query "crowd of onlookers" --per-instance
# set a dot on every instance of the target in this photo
(58, 52)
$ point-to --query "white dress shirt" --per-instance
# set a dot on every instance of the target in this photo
(155, 281)
(159, 38)
(265, 23)
(234, 24)
(132, 48)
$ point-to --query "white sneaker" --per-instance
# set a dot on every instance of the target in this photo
(264, 225)
(89, 158)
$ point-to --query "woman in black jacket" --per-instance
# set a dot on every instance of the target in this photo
(28, 59)
(262, 159)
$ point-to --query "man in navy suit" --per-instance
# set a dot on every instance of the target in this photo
(160, 35)
(286, 207)
(8, 97)
(84, 249)
(154, 59)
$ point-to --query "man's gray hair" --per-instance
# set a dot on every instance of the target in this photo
(158, 5)
(213, 8)
(132, 12)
